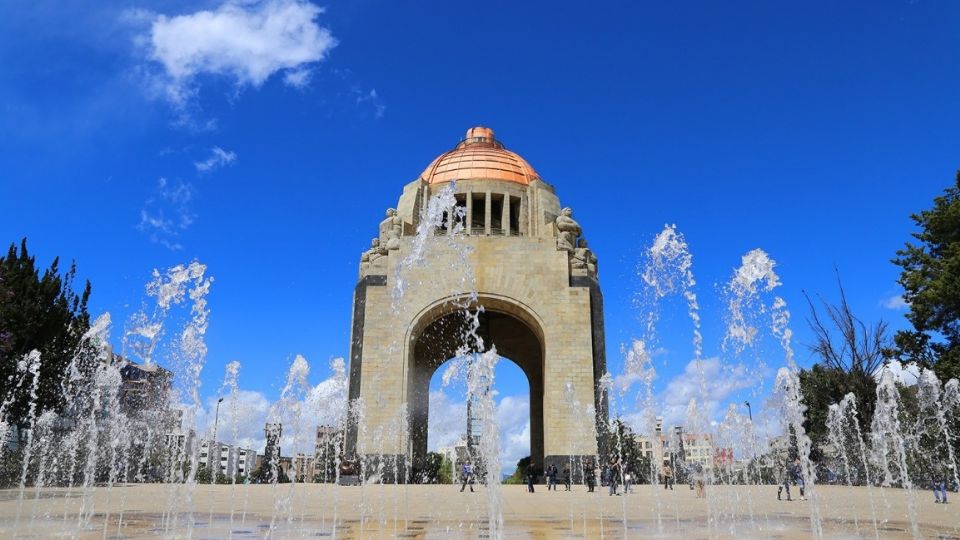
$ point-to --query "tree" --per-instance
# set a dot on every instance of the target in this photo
(930, 278)
(848, 353)
(39, 312)
(433, 469)
(622, 445)
(518, 476)
(445, 474)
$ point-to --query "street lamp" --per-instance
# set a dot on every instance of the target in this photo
(216, 419)
(752, 440)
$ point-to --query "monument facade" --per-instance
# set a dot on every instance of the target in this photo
(536, 279)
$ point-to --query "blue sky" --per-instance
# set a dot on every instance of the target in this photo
(811, 130)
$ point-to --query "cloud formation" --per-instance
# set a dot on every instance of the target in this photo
(167, 213)
(448, 417)
(896, 303)
(710, 383)
(904, 373)
(218, 158)
(244, 42)
(244, 413)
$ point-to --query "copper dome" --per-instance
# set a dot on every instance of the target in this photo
(479, 156)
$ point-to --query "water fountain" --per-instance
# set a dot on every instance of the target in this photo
(111, 464)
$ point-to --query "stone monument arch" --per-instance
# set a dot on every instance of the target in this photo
(535, 278)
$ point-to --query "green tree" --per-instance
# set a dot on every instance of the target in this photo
(445, 473)
(930, 277)
(430, 472)
(518, 476)
(622, 444)
(42, 312)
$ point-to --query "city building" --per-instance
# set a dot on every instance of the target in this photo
(679, 448)
(301, 468)
(246, 461)
(143, 387)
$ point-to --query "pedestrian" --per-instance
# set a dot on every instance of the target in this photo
(612, 471)
(466, 476)
(699, 480)
(627, 479)
(784, 478)
(566, 477)
(552, 477)
(939, 486)
(798, 477)
(531, 477)
(667, 476)
(591, 477)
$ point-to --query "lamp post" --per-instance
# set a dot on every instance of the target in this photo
(216, 419)
(753, 448)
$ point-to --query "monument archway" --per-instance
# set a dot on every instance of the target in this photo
(535, 277)
(435, 339)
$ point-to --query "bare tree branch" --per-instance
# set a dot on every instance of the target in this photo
(856, 347)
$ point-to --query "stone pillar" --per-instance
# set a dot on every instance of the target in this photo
(505, 220)
(487, 214)
(521, 218)
(469, 223)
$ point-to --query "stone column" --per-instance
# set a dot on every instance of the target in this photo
(521, 215)
(469, 224)
(487, 214)
(505, 220)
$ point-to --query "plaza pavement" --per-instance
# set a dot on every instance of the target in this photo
(439, 512)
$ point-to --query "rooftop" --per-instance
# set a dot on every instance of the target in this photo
(479, 156)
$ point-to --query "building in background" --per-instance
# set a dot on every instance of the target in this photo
(682, 450)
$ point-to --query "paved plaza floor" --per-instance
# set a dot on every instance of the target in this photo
(439, 512)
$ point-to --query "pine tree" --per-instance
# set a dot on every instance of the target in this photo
(931, 284)
(39, 312)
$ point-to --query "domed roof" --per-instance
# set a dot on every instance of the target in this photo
(479, 156)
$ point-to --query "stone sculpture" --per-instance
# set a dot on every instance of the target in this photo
(391, 229)
(567, 230)
(583, 258)
(371, 256)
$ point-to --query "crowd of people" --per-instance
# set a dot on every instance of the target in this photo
(613, 473)
(612, 476)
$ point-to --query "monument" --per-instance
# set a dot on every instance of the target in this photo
(537, 284)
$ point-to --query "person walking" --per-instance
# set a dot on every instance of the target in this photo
(939, 485)
(566, 477)
(551, 477)
(798, 477)
(699, 481)
(531, 477)
(612, 471)
(784, 475)
(667, 476)
(627, 479)
(591, 477)
(466, 476)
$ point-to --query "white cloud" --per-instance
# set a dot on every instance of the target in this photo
(298, 78)
(167, 213)
(372, 99)
(904, 373)
(709, 383)
(513, 417)
(895, 302)
(448, 423)
(245, 42)
(218, 158)
(243, 414)
(242, 418)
